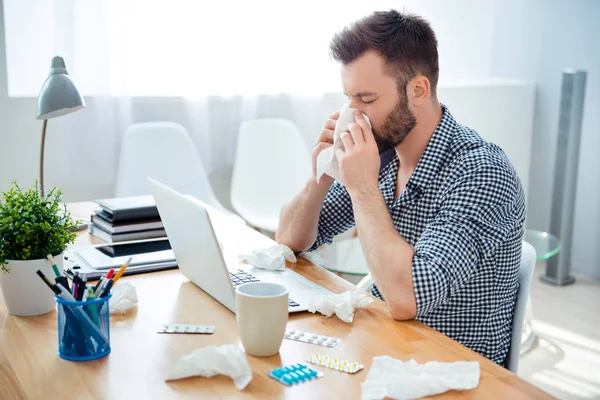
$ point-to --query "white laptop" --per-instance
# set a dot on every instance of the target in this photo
(198, 253)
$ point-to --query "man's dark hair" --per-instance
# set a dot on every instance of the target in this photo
(406, 42)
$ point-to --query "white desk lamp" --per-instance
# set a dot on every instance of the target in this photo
(58, 97)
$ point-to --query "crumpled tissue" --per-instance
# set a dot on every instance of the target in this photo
(327, 162)
(124, 298)
(210, 361)
(343, 305)
(272, 258)
(397, 379)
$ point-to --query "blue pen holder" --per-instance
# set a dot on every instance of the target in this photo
(83, 329)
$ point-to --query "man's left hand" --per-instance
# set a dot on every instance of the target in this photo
(359, 163)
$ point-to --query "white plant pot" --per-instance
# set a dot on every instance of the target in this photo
(23, 291)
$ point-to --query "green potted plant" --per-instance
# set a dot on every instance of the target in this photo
(31, 227)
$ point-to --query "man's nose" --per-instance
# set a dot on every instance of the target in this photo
(356, 103)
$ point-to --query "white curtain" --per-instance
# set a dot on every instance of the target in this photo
(207, 65)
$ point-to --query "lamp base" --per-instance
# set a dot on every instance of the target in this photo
(557, 281)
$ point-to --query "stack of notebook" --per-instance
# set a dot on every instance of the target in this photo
(126, 218)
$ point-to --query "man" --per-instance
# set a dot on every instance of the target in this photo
(439, 211)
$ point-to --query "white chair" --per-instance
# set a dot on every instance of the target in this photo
(163, 151)
(525, 274)
(528, 256)
(272, 164)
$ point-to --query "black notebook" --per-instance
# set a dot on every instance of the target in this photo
(135, 208)
(100, 220)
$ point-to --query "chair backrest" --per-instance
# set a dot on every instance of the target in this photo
(528, 258)
(272, 164)
(163, 151)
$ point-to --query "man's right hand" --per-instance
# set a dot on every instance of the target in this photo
(324, 141)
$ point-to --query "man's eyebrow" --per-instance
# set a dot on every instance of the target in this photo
(362, 94)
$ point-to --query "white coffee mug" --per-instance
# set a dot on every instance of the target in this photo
(262, 313)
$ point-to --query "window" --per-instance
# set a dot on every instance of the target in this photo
(178, 47)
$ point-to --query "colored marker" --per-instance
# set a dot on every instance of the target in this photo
(93, 308)
(59, 278)
(82, 287)
(54, 266)
(122, 270)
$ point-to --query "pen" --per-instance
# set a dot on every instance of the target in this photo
(92, 307)
(76, 283)
(106, 290)
(100, 281)
(121, 270)
(99, 288)
(51, 285)
(59, 278)
(54, 266)
(110, 273)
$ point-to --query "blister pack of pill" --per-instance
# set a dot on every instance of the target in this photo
(324, 360)
(294, 374)
(186, 328)
(313, 338)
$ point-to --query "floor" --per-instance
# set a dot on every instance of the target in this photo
(565, 360)
(565, 357)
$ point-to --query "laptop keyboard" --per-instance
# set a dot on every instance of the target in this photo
(242, 276)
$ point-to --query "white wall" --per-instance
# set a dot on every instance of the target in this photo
(501, 111)
(464, 30)
(536, 40)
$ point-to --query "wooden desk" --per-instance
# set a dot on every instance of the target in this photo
(141, 359)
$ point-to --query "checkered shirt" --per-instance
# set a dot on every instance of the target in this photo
(463, 213)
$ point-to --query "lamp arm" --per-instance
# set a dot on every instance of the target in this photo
(42, 157)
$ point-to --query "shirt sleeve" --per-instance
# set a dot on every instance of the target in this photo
(336, 215)
(478, 213)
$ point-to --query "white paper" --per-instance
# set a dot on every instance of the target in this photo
(343, 305)
(327, 162)
(210, 361)
(272, 258)
(124, 298)
(391, 378)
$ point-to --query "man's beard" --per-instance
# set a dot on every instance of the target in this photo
(396, 127)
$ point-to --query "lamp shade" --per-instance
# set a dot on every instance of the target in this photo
(58, 96)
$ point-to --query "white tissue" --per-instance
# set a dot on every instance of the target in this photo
(343, 305)
(124, 297)
(210, 361)
(272, 258)
(327, 162)
(397, 379)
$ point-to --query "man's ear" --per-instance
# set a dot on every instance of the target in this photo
(418, 90)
